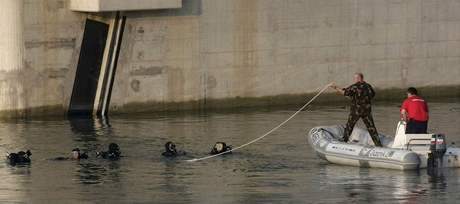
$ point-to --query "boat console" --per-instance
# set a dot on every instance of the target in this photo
(430, 147)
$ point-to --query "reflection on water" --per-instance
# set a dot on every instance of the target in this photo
(282, 168)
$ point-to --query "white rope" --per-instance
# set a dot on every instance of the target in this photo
(266, 134)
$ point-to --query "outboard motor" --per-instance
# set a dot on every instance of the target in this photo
(437, 150)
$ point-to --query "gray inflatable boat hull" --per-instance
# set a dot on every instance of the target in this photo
(324, 141)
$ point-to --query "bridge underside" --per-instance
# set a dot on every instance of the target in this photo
(122, 5)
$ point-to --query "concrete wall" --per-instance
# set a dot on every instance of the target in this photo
(39, 61)
(212, 51)
(255, 48)
(11, 54)
(52, 40)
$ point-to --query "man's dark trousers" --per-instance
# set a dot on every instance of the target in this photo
(416, 127)
(353, 117)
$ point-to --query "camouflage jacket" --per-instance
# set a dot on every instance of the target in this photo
(361, 94)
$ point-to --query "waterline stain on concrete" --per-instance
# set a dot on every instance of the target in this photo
(432, 94)
(388, 95)
(36, 112)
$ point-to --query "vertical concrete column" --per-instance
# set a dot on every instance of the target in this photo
(11, 39)
(11, 56)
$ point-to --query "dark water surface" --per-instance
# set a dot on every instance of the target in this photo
(282, 168)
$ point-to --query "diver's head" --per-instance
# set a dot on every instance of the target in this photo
(170, 147)
(23, 154)
(20, 157)
(113, 147)
(76, 153)
(219, 147)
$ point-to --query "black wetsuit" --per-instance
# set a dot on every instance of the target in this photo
(19, 158)
(173, 153)
(111, 155)
(225, 148)
(81, 156)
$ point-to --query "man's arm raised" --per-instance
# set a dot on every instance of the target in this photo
(338, 89)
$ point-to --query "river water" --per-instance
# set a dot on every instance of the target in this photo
(282, 168)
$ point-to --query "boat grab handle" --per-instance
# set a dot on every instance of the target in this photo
(408, 143)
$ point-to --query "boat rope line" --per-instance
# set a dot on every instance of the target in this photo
(267, 133)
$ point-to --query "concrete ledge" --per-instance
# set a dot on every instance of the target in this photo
(37, 112)
(122, 5)
(432, 94)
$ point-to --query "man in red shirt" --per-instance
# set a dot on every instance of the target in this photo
(414, 111)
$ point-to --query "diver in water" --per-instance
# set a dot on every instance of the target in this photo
(220, 147)
(113, 153)
(19, 158)
(171, 151)
(74, 155)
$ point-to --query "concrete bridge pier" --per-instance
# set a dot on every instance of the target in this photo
(12, 92)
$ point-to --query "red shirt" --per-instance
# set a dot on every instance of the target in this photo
(416, 108)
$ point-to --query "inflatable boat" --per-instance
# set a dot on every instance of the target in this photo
(402, 152)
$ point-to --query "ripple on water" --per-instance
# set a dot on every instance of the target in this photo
(281, 168)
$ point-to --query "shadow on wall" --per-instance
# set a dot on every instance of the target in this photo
(189, 8)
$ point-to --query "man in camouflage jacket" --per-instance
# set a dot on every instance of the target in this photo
(361, 94)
